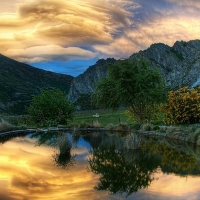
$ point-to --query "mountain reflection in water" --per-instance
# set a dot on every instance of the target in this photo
(96, 166)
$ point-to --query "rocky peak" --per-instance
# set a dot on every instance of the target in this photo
(179, 66)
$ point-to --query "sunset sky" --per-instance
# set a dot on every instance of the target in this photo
(67, 36)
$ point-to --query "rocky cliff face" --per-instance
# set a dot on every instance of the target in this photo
(86, 82)
(179, 66)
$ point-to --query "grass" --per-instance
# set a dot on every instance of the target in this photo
(5, 126)
(105, 117)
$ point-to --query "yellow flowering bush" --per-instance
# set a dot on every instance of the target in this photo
(183, 106)
(150, 114)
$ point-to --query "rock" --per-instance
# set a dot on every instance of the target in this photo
(86, 82)
(179, 66)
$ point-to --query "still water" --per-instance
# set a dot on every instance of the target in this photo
(59, 166)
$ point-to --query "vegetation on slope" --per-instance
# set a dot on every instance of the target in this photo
(18, 82)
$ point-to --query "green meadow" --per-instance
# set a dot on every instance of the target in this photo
(105, 117)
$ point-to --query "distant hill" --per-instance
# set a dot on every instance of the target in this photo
(179, 66)
(19, 81)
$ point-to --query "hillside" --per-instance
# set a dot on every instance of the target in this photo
(18, 82)
(179, 66)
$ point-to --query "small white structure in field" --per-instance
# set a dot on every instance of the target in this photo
(96, 115)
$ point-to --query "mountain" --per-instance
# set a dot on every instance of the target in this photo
(179, 66)
(86, 82)
(19, 81)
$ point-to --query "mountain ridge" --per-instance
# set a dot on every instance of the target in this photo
(178, 64)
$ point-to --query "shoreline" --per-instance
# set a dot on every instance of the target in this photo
(156, 134)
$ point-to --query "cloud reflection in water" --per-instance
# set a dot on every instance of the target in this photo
(27, 172)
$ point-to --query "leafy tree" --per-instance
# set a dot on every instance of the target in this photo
(131, 84)
(50, 107)
(183, 106)
(84, 102)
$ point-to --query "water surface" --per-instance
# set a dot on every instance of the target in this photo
(96, 167)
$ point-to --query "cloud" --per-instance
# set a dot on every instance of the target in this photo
(73, 34)
(121, 47)
(75, 22)
(50, 53)
(70, 24)
(108, 28)
(186, 3)
(162, 26)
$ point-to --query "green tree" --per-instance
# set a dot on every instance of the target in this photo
(134, 85)
(84, 102)
(50, 107)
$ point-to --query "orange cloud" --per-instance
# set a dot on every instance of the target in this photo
(50, 52)
(116, 28)
(67, 24)
(165, 29)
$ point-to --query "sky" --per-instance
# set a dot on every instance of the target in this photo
(68, 36)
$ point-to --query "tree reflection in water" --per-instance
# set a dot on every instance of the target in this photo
(6, 138)
(124, 171)
(121, 168)
(178, 159)
(127, 171)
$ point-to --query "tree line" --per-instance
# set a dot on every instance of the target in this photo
(131, 84)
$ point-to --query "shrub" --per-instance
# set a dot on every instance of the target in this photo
(5, 126)
(50, 108)
(197, 133)
(152, 114)
(163, 129)
(96, 124)
(122, 127)
(194, 137)
(183, 106)
(136, 126)
(178, 131)
(147, 127)
(110, 127)
(156, 128)
(74, 124)
(83, 125)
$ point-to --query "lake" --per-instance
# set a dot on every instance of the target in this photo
(96, 166)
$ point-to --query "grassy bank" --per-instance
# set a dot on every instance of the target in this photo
(105, 117)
